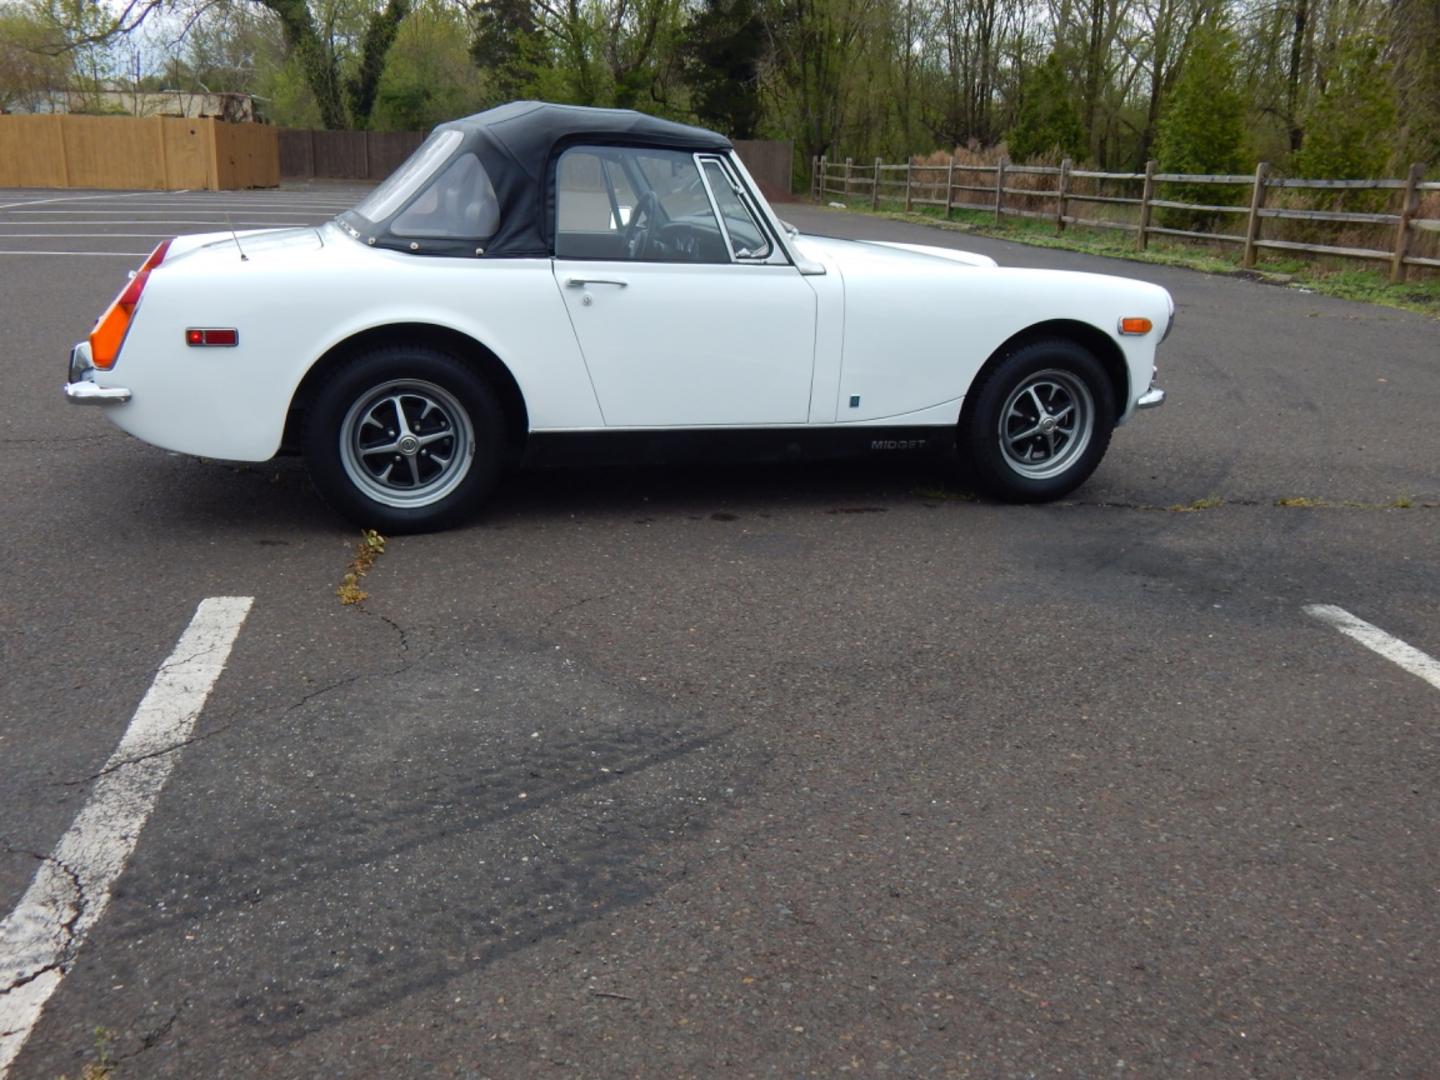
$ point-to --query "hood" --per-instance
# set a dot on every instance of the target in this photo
(878, 253)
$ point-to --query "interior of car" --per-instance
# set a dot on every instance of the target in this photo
(631, 204)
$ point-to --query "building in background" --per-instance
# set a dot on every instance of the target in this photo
(114, 101)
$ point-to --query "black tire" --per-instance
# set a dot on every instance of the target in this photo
(1015, 440)
(404, 440)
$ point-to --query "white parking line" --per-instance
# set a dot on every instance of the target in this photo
(146, 221)
(134, 213)
(121, 254)
(70, 198)
(1377, 640)
(39, 939)
(89, 235)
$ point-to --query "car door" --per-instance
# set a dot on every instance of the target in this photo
(682, 320)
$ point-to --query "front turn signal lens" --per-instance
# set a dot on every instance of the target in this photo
(1136, 325)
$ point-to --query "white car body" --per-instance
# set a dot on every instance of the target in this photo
(828, 335)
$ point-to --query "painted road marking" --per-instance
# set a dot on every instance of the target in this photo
(88, 236)
(121, 254)
(203, 208)
(39, 939)
(70, 198)
(135, 222)
(1377, 640)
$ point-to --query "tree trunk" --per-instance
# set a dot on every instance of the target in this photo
(380, 32)
(1292, 80)
(315, 59)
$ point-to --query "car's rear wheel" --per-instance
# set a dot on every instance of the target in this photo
(1039, 422)
(404, 439)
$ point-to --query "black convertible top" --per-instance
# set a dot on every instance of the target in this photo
(517, 145)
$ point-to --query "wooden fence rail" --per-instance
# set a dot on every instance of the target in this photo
(938, 185)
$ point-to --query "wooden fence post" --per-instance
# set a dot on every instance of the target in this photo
(1408, 206)
(64, 154)
(1060, 195)
(814, 176)
(824, 179)
(1252, 226)
(950, 187)
(1146, 194)
(999, 190)
(909, 171)
(163, 156)
(875, 187)
(849, 164)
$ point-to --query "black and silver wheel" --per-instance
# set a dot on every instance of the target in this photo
(404, 440)
(1039, 423)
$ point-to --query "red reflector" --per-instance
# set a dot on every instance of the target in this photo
(212, 337)
(157, 256)
(130, 296)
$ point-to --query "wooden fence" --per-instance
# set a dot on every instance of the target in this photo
(938, 185)
(155, 152)
(307, 154)
(771, 162)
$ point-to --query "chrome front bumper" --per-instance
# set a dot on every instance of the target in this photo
(80, 389)
(1151, 398)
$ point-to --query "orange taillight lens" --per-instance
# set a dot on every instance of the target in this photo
(111, 328)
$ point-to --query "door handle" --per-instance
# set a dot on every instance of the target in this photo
(581, 282)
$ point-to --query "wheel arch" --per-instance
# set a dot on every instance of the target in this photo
(1100, 344)
(460, 345)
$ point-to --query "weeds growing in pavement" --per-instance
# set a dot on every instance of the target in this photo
(370, 548)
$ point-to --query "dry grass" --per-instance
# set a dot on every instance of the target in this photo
(370, 548)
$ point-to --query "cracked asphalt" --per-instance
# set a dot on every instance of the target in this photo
(757, 772)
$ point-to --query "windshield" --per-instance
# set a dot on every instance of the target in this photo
(406, 180)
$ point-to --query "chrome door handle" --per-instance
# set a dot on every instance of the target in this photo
(581, 282)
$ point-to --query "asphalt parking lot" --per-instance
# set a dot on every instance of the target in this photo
(695, 772)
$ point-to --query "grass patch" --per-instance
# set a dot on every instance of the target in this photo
(1400, 502)
(937, 494)
(1210, 502)
(1367, 286)
(102, 1068)
(370, 548)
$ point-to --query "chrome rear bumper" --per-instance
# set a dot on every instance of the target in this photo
(80, 389)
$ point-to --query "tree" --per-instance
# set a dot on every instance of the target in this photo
(505, 47)
(31, 67)
(1048, 120)
(819, 53)
(1414, 30)
(721, 49)
(1349, 129)
(341, 53)
(1202, 129)
(1168, 26)
(429, 74)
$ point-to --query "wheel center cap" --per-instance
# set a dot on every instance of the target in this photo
(408, 444)
(1048, 425)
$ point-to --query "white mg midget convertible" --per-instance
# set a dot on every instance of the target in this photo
(542, 282)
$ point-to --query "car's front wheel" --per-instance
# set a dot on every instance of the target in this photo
(1039, 422)
(404, 439)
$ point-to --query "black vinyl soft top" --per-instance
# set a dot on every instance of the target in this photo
(517, 145)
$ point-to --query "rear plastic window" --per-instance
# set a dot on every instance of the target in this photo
(460, 205)
(406, 180)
